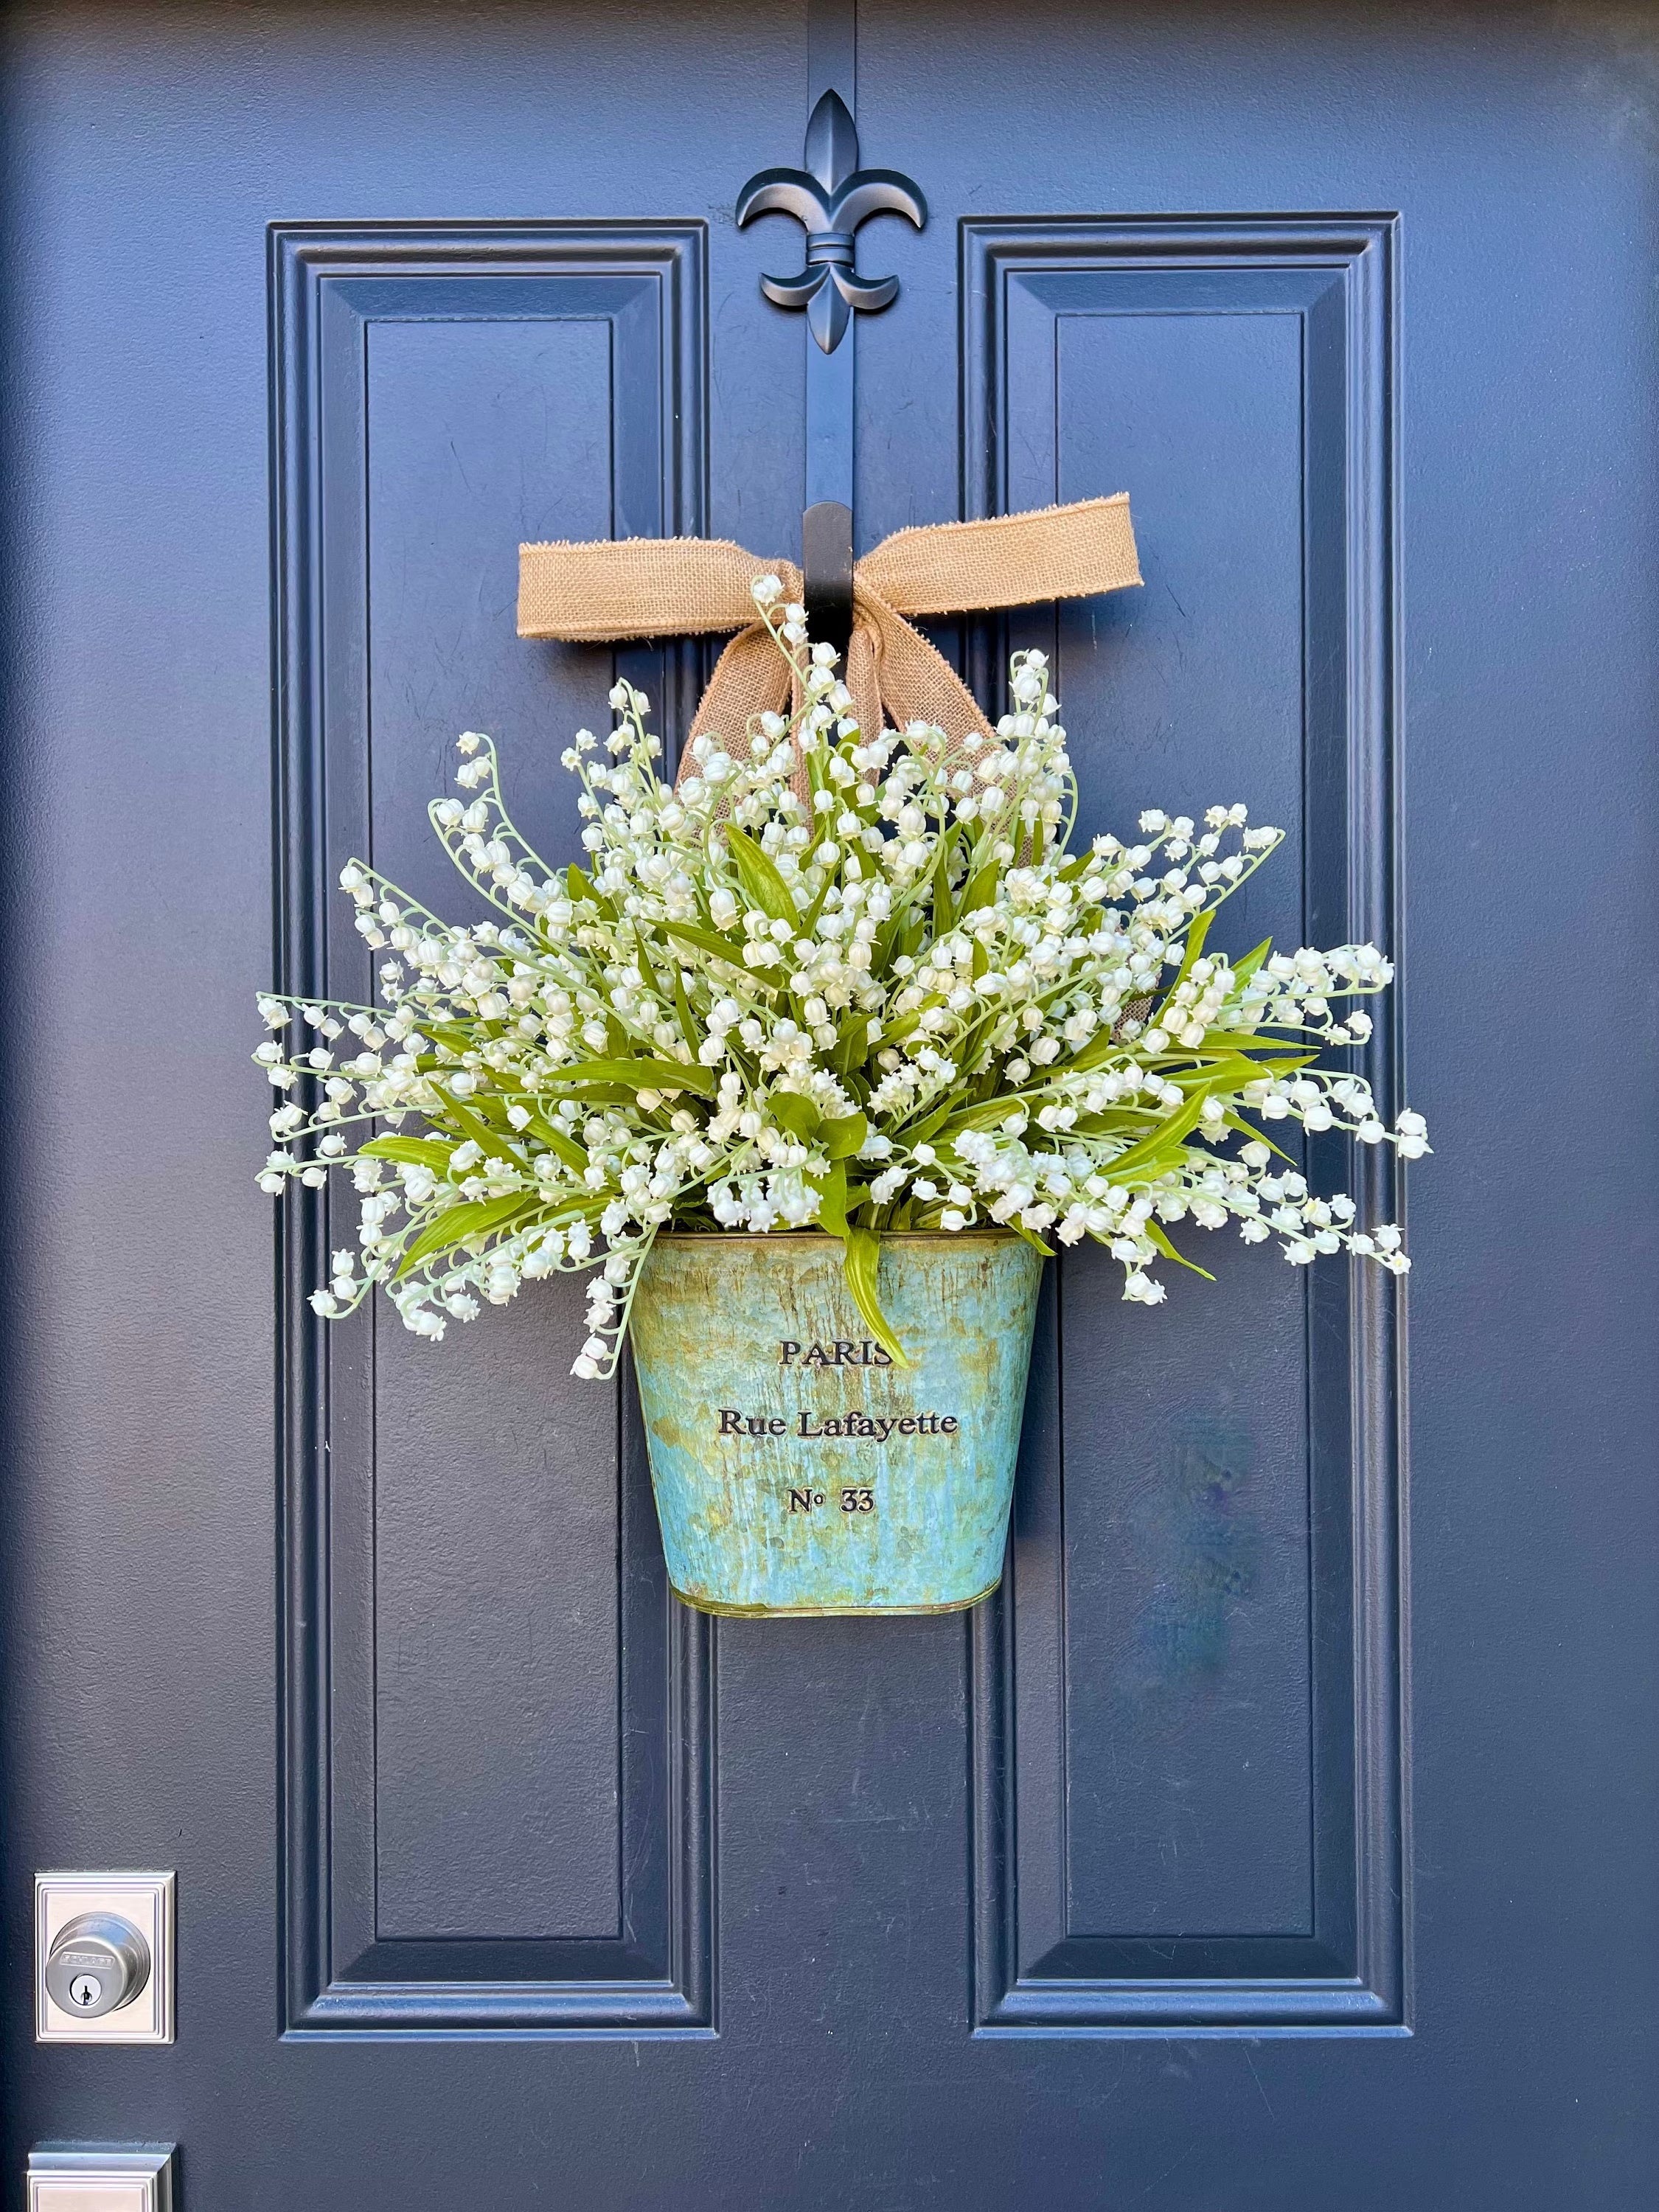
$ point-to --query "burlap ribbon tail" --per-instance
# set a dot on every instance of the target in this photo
(614, 590)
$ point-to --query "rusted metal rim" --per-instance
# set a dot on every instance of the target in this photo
(823, 1612)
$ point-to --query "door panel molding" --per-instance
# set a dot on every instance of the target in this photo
(629, 1949)
(1036, 1970)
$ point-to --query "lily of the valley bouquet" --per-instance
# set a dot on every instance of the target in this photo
(849, 980)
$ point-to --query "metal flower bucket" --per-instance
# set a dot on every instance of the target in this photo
(798, 1468)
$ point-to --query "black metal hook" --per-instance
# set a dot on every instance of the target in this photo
(830, 198)
(826, 565)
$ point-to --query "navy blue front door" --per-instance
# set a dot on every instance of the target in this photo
(1281, 1839)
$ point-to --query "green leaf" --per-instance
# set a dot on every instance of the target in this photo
(609, 1094)
(1159, 1162)
(557, 1141)
(1164, 1138)
(456, 1225)
(579, 887)
(1237, 1074)
(688, 1020)
(832, 1199)
(1244, 969)
(987, 1115)
(647, 973)
(1101, 1047)
(844, 1136)
(982, 888)
(853, 1043)
(943, 918)
(411, 1152)
(932, 1125)
(860, 1264)
(1230, 1071)
(1170, 1252)
(639, 1075)
(1247, 1129)
(1110, 1121)
(809, 920)
(799, 1115)
(766, 888)
(718, 948)
(1033, 1239)
(456, 1034)
(490, 1136)
(579, 1209)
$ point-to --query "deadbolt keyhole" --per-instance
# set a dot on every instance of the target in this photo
(97, 1963)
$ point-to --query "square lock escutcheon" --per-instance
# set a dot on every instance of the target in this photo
(103, 1958)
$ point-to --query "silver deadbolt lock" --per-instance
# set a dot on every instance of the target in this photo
(103, 1957)
(98, 1962)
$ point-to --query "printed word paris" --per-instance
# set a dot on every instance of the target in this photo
(840, 1351)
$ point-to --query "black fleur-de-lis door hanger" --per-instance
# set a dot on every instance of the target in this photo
(831, 197)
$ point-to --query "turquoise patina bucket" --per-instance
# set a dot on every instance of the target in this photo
(796, 1468)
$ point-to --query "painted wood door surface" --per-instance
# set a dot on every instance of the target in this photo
(1282, 1838)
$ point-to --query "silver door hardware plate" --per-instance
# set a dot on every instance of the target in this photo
(103, 1963)
(101, 2178)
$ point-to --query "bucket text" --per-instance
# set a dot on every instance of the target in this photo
(840, 1351)
(874, 1428)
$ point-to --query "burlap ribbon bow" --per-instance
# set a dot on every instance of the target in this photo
(639, 588)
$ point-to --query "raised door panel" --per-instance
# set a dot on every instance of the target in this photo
(1187, 1753)
(497, 1761)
